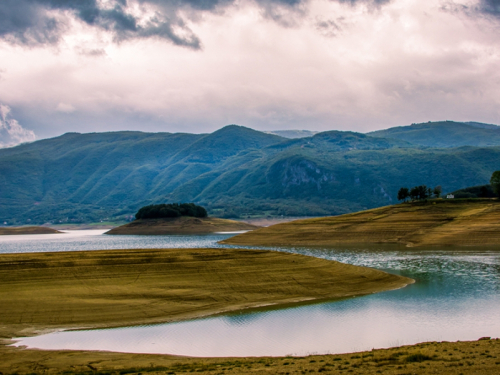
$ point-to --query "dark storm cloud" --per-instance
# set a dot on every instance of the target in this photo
(488, 8)
(491, 7)
(32, 22)
(26, 22)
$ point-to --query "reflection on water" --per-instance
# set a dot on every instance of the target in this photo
(456, 297)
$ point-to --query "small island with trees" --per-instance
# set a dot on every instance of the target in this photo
(178, 218)
(159, 211)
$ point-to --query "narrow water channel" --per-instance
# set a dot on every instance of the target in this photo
(456, 297)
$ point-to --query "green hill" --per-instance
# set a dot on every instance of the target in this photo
(445, 134)
(233, 172)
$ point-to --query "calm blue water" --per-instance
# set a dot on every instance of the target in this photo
(456, 297)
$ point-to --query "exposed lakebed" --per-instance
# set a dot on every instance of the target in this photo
(456, 297)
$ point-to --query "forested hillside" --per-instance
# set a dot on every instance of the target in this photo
(233, 172)
(445, 134)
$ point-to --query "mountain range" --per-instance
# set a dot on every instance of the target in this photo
(238, 172)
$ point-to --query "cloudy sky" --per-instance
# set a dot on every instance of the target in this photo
(197, 65)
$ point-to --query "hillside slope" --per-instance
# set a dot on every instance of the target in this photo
(85, 177)
(445, 134)
(435, 223)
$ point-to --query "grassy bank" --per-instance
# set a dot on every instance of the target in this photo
(130, 287)
(181, 225)
(473, 222)
(476, 357)
(27, 230)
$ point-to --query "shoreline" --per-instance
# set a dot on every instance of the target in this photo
(24, 230)
(223, 312)
(30, 279)
(415, 359)
(453, 358)
(51, 291)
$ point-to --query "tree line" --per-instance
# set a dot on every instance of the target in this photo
(421, 192)
(158, 211)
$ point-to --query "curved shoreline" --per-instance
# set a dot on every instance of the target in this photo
(447, 358)
(410, 358)
(117, 288)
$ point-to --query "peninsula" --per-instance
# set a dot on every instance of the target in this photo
(439, 222)
(110, 288)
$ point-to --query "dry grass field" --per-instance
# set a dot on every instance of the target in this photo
(438, 222)
(445, 358)
(181, 225)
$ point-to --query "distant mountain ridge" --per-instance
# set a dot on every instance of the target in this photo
(233, 172)
(293, 133)
(445, 134)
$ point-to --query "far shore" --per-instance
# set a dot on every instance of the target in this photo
(180, 225)
(27, 230)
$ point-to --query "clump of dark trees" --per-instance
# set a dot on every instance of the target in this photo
(158, 211)
(417, 193)
(422, 192)
(481, 191)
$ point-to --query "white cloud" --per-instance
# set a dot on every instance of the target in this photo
(65, 108)
(11, 133)
(340, 66)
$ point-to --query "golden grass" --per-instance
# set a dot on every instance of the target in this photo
(181, 225)
(434, 223)
(27, 230)
(131, 287)
(446, 358)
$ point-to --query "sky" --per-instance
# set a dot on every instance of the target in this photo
(198, 65)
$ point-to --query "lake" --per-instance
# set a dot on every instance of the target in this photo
(456, 297)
